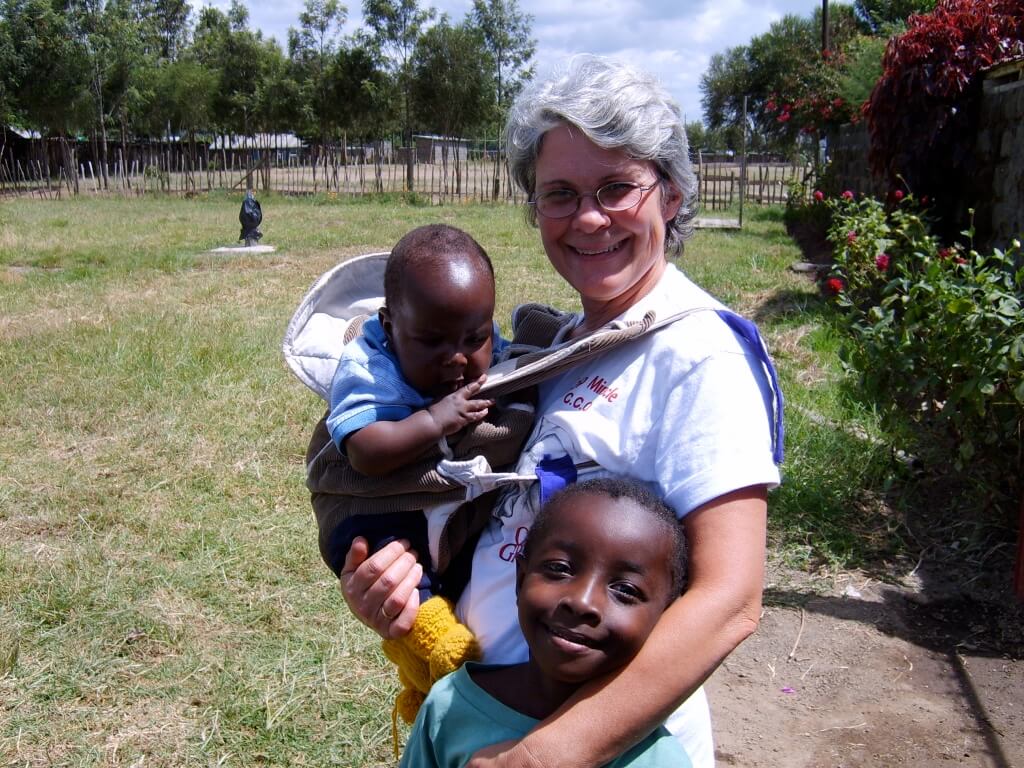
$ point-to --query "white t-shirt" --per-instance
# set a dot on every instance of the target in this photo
(686, 409)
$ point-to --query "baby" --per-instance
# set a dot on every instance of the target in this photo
(407, 382)
(603, 560)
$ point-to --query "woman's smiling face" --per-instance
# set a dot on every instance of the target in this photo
(611, 258)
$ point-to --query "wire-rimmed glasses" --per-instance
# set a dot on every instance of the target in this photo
(616, 196)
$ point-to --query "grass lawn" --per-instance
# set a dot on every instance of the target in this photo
(162, 601)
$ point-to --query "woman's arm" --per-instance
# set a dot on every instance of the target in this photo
(721, 607)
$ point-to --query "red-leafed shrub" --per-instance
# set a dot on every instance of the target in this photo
(922, 113)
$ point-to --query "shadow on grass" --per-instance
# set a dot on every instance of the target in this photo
(788, 304)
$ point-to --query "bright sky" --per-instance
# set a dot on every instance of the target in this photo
(674, 39)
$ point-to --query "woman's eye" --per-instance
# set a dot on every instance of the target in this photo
(617, 191)
(559, 196)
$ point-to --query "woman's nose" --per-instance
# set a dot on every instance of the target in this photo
(590, 216)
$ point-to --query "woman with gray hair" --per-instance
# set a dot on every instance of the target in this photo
(692, 410)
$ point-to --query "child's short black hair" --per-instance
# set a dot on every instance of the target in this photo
(621, 488)
(431, 246)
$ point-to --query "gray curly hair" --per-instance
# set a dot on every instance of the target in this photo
(616, 107)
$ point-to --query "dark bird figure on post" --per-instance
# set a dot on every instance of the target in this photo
(250, 217)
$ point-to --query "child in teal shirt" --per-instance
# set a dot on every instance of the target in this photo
(601, 563)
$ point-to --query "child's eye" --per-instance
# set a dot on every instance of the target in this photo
(556, 568)
(628, 592)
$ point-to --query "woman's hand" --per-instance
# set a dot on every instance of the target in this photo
(504, 754)
(381, 589)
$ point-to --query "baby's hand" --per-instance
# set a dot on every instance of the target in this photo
(459, 408)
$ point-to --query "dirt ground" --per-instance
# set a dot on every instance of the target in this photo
(848, 671)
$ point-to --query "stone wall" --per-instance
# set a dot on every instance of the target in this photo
(1000, 154)
(997, 190)
(849, 158)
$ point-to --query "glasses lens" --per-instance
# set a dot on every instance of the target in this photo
(619, 195)
(558, 203)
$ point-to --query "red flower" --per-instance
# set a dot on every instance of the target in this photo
(837, 102)
(944, 253)
(925, 199)
(784, 117)
(851, 237)
(960, 260)
(882, 261)
(826, 54)
(834, 285)
(770, 105)
(847, 195)
(819, 195)
(898, 194)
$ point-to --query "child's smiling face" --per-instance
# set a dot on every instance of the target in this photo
(592, 589)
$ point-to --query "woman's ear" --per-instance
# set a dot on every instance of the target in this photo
(671, 199)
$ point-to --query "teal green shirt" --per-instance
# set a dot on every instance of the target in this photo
(459, 717)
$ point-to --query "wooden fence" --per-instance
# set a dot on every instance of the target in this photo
(467, 175)
(458, 176)
(767, 183)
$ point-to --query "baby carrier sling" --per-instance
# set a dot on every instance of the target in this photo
(465, 466)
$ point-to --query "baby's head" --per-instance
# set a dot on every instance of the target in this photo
(439, 308)
(601, 563)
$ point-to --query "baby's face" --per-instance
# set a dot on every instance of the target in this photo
(593, 588)
(442, 329)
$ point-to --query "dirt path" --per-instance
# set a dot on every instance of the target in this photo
(866, 674)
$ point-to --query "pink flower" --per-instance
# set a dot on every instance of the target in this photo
(837, 102)
(851, 237)
(819, 195)
(898, 194)
(882, 261)
(834, 285)
(848, 195)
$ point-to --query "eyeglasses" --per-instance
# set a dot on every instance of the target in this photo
(617, 196)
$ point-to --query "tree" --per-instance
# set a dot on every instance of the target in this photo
(10, 65)
(884, 17)
(166, 29)
(791, 84)
(311, 48)
(361, 89)
(109, 38)
(50, 86)
(506, 35)
(450, 90)
(396, 26)
(241, 60)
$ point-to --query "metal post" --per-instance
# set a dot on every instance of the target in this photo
(824, 26)
(743, 161)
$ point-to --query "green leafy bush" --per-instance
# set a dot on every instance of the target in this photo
(935, 333)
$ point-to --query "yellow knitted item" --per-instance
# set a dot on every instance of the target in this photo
(436, 645)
